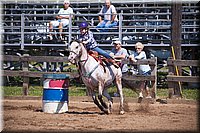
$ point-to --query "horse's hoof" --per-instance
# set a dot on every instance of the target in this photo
(121, 112)
(140, 99)
(110, 111)
(107, 111)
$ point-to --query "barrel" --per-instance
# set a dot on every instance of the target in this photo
(55, 93)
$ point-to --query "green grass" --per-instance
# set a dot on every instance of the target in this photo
(191, 94)
(81, 91)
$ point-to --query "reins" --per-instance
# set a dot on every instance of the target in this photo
(89, 73)
(85, 59)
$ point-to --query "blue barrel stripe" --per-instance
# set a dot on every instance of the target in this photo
(55, 94)
(56, 76)
(48, 101)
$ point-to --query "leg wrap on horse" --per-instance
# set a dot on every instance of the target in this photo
(111, 99)
(97, 103)
(102, 102)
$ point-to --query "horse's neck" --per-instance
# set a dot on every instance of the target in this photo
(84, 54)
(88, 61)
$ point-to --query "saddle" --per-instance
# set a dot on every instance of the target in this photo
(103, 61)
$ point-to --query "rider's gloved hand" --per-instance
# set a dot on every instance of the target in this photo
(84, 42)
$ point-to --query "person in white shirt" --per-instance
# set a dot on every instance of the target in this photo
(143, 69)
(107, 16)
(119, 53)
(62, 19)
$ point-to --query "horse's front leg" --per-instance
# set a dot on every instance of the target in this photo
(102, 101)
(110, 100)
(119, 87)
(101, 88)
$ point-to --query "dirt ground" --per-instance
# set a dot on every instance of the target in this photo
(25, 114)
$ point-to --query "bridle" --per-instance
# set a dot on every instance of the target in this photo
(85, 60)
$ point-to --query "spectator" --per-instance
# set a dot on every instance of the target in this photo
(62, 19)
(143, 69)
(107, 16)
(86, 37)
(119, 53)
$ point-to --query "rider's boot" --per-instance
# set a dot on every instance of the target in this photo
(113, 62)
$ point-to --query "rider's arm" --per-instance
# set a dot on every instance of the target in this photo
(91, 37)
(141, 55)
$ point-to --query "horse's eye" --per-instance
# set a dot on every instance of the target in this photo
(76, 47)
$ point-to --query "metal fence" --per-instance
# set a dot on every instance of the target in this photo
(26, 24)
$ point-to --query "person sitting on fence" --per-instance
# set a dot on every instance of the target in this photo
(143, 69)
(62, 19)
(86, 37)
(109, 18)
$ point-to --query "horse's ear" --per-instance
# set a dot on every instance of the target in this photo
(71, 42)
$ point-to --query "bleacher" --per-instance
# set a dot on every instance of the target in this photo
(25, 23)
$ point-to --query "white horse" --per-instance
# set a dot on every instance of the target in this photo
(95, 77)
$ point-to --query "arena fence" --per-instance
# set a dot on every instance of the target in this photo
(27, 66)
(175, 76)
(20, 66)
(130, 77)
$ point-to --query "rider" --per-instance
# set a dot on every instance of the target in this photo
(86, 37)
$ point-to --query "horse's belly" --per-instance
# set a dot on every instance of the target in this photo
(90, 83)
(109, 82)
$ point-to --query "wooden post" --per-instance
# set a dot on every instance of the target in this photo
(176, 39)
(25, 68)
(171, 85)
(154, 73)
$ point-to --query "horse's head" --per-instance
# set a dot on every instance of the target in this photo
(75, 49)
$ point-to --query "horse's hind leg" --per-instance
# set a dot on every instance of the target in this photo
(119, 87)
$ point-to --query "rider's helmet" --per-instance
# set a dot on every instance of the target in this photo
(83, 25)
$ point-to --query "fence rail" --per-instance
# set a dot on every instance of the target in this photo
(174, 77)
(128, 78)
(20, 66)
(23, 69)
